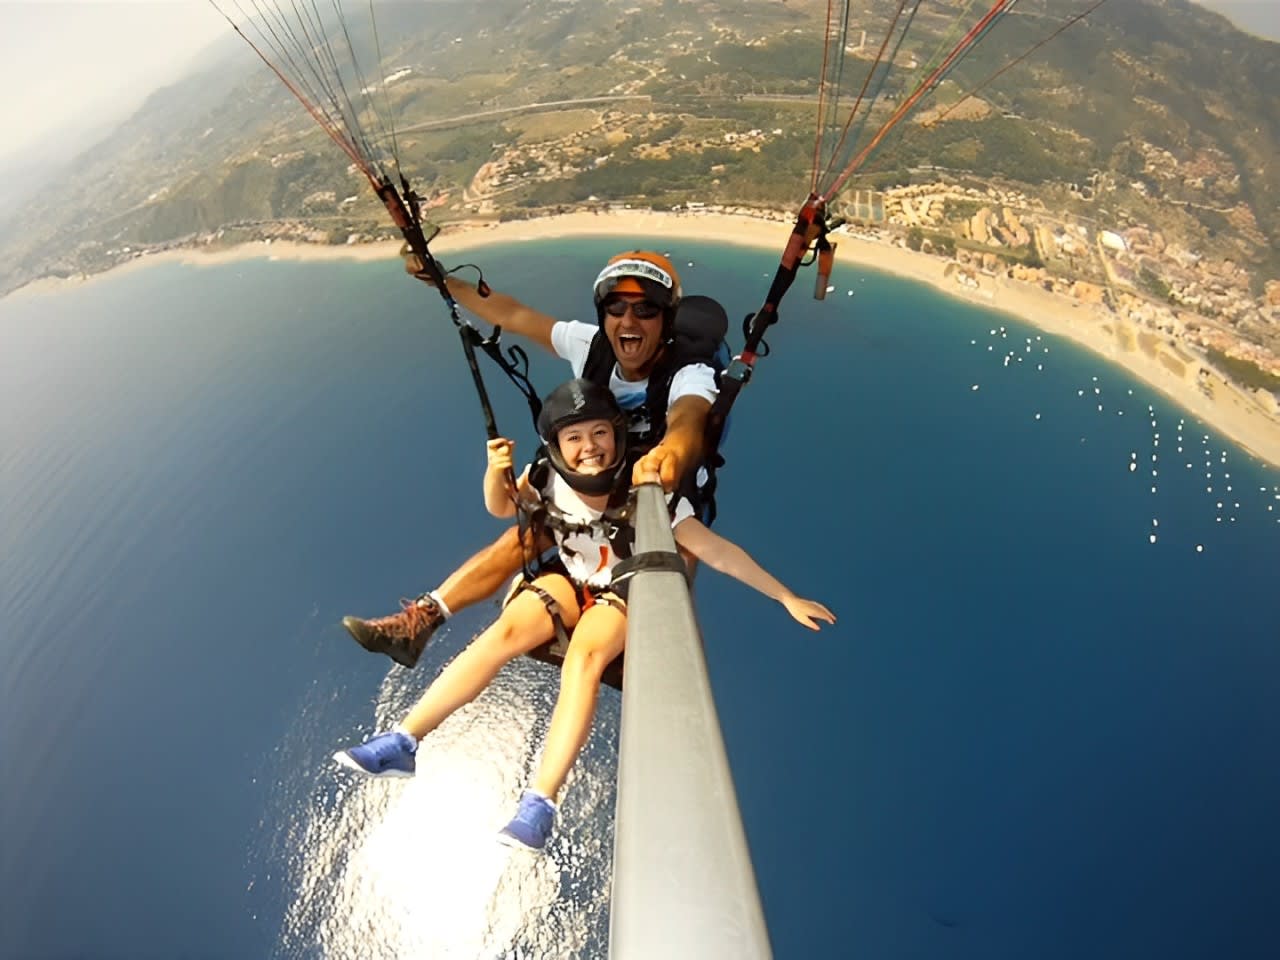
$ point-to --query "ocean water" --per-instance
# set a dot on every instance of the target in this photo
(1043, 726)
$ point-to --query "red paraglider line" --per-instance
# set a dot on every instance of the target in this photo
(925, 85)
(866, 82)
(326, 124)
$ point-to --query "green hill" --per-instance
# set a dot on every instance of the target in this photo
(1167, 112)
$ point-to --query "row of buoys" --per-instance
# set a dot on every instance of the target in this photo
(1011, 355)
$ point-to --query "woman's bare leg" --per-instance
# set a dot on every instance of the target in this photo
(600, 636)
(523, 625)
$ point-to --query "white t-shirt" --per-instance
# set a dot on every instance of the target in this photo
(571, 339)
(591, 557)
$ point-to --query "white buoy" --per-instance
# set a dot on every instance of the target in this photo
(1133, 467)
(974, 387)
(1153, 538)
(1199, 548)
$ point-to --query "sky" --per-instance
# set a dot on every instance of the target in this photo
(68, 64)
(76, 63)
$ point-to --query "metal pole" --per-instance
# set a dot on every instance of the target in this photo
(683, 886)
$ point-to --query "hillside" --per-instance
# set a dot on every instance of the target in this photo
(1155, 115)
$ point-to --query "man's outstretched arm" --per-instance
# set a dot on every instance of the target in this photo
(498, 309)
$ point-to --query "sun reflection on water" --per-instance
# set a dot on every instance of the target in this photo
(412, 868)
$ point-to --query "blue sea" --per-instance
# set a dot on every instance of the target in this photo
(1044, 726)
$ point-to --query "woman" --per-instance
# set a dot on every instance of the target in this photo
(584, 472)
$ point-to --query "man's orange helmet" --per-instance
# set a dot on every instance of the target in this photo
(640, 273)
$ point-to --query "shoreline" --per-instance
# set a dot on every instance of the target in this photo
(1150, 357)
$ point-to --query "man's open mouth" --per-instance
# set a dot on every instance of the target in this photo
(629, 343)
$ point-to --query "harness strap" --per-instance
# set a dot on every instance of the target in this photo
(607, 599)
(553, 609)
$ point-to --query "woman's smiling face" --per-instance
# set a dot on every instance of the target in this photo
(588, 447)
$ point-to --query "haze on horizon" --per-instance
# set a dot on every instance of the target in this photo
(74, 69)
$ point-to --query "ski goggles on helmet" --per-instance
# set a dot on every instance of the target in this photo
(635, 276)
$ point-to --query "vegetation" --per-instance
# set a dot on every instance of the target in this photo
(1149, 91)
(1154, 285)
(1245, 373)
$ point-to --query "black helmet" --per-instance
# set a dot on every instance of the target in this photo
(576, 402)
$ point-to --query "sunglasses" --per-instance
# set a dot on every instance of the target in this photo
(640, 309)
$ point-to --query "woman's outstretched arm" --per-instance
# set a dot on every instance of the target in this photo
(730, 559)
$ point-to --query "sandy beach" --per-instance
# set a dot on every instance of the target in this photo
(1149, 356)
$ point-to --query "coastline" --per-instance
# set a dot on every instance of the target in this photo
(1150, 357)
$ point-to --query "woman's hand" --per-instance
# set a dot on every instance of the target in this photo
(807, 611)
(500, 453)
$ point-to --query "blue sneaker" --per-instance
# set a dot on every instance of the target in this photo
(386, 755)
(532, 823)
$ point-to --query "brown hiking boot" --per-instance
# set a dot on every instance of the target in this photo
(401, 636)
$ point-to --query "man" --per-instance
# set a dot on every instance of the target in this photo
(666, 395)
